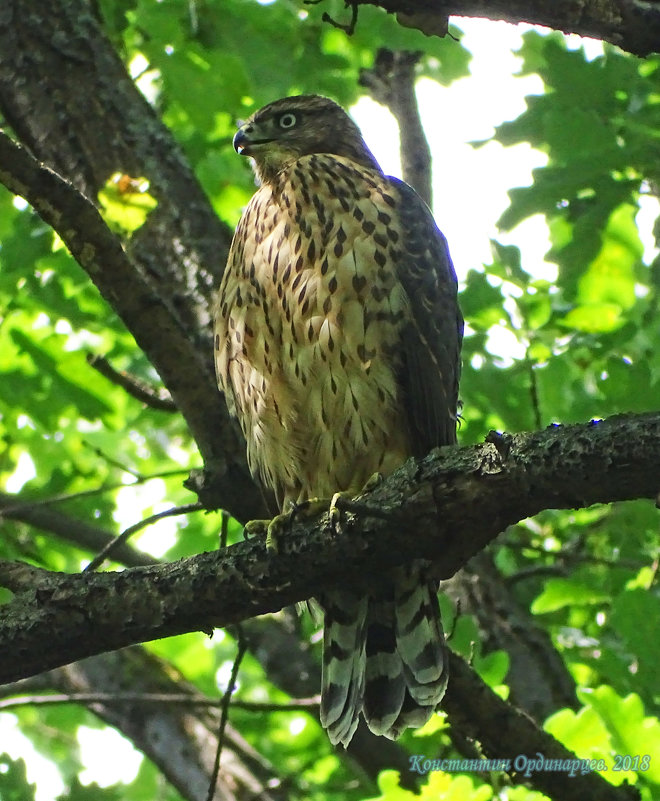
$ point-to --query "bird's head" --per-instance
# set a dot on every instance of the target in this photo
(284, 131)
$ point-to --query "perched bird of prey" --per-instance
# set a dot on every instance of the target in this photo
(337, 346)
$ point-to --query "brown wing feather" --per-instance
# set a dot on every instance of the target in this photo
(432, 339)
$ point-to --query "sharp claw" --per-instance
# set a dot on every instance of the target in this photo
(271, 537)
(334, 512)
(273, 528)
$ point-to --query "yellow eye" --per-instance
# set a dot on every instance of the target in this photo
(287, 120)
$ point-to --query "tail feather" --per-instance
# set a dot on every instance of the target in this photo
(420, 638)
(343, 668)
(384, 655)
(385, 683)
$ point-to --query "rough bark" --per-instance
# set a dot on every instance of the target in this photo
(446, 508)
(67, 97)
(633, 25)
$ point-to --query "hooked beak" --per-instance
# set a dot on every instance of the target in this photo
(243, 140)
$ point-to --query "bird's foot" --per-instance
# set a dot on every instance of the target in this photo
(273, 529)
(335, 511)
(310, 508)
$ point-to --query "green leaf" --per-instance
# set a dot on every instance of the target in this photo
(440, 787)
(610, 278)
(508, 265)
(390, 789)
(126, 202)
(481, 302)
(593, 318)
(493, 667)
(88, 404)
(609, 727)
(634, 616)
(584, 732)
(559, 593)
(631, 732)
(14, 785)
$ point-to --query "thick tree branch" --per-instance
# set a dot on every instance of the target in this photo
(633, 25)
(445, 507)
(500, 729)
(52, 61)
(287, 660)
(157, 330)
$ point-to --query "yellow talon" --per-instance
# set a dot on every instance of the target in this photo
(272, 528)
(272, 532)
(309, 508)
(257, 528)
(334, 512)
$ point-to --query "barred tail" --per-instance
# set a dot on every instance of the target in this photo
(384, 655)
(344, 661)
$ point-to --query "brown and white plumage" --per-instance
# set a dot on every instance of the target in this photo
(337, 346)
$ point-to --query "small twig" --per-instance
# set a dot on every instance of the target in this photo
(534, 395)
(110, 459)
(224, 708)
(349, 29)
(452, 630)
(30, 503)
(183, 699)
(224, 528)
(128, 532)
(536, 571)
(135, 387)
(194, 19)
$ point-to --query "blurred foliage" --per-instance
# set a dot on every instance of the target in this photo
(126, 203)
(590, 345)
(14, 784)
